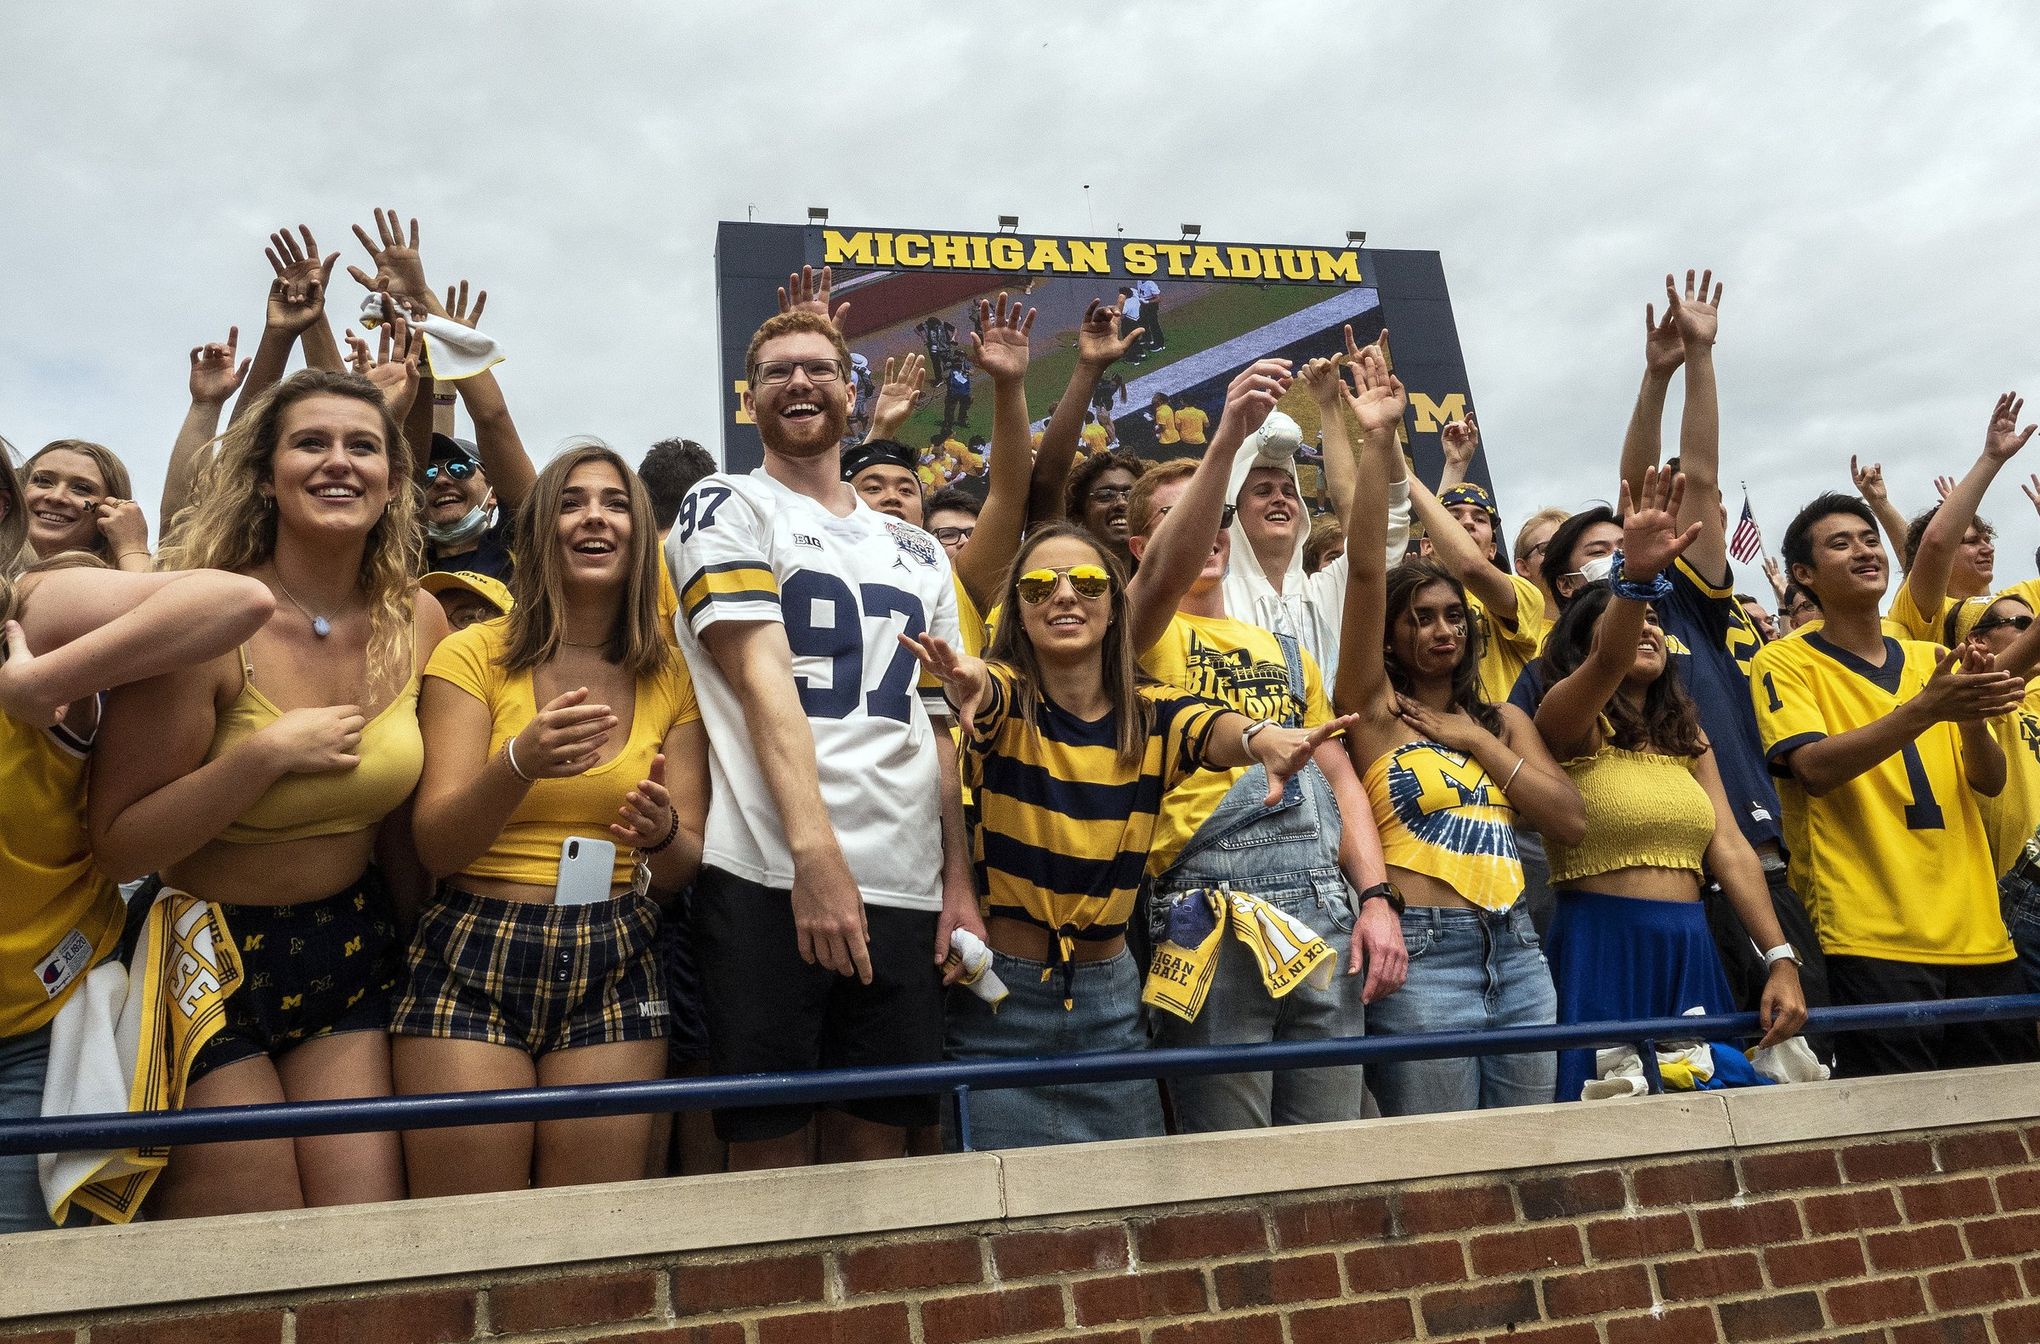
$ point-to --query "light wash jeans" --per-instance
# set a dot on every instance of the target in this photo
(23, 1062)
(2020, 901)
(1470, 970)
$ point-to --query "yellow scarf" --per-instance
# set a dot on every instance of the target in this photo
(1286, 950)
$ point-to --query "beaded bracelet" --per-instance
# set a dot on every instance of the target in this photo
(672, 834)
(1656, 590)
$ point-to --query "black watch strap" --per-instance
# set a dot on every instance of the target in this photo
(1381, 891)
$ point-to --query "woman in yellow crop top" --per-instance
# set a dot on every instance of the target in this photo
(1630, 938)
(571, 717)
(1447, 774)
(275, 782)
(73, 630)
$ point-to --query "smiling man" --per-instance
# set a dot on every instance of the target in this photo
(834, 866)
(459, 532)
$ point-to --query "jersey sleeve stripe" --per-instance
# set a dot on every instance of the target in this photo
(1780, 750)
(734, 581)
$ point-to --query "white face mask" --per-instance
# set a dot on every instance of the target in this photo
(1598, 569)
(469, 527)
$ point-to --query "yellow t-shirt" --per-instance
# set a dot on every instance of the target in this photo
(669, 600)
(1896, 862)
(2011, 817)
(61, 916)
(1241, 667)
(528, 849)
(1190, 423)
(1094, 437)
(1906, 621)
(1165, 424)
(1505, 650)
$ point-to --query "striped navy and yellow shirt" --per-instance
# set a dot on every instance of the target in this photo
(1063, 825)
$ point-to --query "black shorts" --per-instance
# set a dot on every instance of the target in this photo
(770, 1012)
(673, 949)
(537, 977)
(321, 968)
(1958, 1045)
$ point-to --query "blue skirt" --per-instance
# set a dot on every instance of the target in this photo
(1615, 958)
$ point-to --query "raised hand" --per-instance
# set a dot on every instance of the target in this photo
(1250, 397)
(457, 305)
(398, 267)
(215, 378)
(1964, 690)
(1651, 537)
(2033, 492)
(394, 369)
(1869, 480)
(807, 292)
(300, 270)
(1775, 572)
(124, 525)
(314, 741)
(1321, 377)
(963, 677)
(1460, 439)
(1696, 314)
(647, 811)
(563, 739)
(1663, 350)
(1099, 340)
(1285, 751)
(1377, 399)
(1944, 486)
(293, 307)
(899, 392)
(2004, 437)
(1002, 350)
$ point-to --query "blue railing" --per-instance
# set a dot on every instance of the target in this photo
(959, 1078)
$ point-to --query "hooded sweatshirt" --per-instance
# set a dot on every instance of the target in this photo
(1309, 606)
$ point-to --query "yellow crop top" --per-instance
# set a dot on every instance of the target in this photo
(298, 807)
(1440, 815)
(1644, 810)
(528, 849)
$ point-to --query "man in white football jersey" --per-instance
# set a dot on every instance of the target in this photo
(835, 862)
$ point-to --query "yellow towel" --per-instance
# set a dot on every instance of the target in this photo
(130, 1045)
(1285, 949)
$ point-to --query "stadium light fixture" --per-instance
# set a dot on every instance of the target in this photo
(1192, 232)
(1356, 237)
(818, 214)
(1009, 223)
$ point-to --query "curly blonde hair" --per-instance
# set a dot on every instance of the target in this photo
(231, 524)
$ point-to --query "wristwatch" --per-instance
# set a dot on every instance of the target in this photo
(1247, 734)
(1782, 952)
(1380, 891)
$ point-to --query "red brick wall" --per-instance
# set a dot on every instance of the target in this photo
(1910, 1239)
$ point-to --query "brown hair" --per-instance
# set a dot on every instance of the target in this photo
(539, 584)
(112, 471)
(1325, 533)
(1134, 716)
(787, 324)
(1140, 505)
(231, 524)
(1405, 581)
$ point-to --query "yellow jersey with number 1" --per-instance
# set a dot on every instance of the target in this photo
(1895, 863)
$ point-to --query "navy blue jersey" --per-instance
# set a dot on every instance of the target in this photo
(1711, 642)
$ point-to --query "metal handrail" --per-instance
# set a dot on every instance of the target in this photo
(89, 1133)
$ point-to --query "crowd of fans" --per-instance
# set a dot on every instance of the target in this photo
(401, 764)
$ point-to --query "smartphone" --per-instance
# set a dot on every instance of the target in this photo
(585, 869)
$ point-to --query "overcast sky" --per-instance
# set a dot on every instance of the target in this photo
(1861, 175)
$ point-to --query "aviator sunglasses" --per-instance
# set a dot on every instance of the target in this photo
(1086, 581)
(455, 468)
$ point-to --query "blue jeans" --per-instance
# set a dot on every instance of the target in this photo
(1470, 970)
(23, 1062)
(2021, 904)
(1105, 1015)
(1238, 1010)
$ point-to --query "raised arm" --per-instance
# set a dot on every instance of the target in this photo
(900, 388)
(296, 301)
(1663, 352)
(1927, 580)
(1362, 685)
(1181, 545)
(1870, 485)
(1696, 314)
(807, 291)
(1568, 718)
(1460, 440)
(215, 377)
(511, 473)
(299, 266)
(1454, 548)
(1099, 343)
(1002, 352)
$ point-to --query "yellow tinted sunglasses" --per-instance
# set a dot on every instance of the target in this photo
(1086, 581)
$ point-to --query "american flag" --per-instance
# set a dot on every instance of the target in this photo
(1747, 543)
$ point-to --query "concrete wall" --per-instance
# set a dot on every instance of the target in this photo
(1897, 1210)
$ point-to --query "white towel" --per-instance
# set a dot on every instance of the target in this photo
(452, 351)
(1791, 1062)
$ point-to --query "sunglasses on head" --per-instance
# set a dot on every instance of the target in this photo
(1086, 581)
(457, 468)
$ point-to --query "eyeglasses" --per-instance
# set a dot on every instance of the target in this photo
(1225, 515)
(1993, 622)
(950, 536)
(1036, 586)
(457, 468)
(1110, 494)
(781, 370)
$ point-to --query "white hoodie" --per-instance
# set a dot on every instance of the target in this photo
(1309, 606)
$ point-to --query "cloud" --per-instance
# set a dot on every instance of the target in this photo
(1858, 175)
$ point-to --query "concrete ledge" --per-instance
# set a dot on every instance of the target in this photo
(95, 1269)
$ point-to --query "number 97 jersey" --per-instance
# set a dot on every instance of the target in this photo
(746, 548)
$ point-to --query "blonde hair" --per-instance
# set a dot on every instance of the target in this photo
(1553, 516)
(1141, 512)
(112, 471)
(539, 582)
(231, 524)
(14, 552)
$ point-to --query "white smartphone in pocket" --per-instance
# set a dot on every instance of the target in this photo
(585, 869)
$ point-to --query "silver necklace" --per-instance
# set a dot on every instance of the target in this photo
(320, 625)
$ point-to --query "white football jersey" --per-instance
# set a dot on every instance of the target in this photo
(746, 548)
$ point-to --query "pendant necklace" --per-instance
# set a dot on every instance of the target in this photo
(320, 625)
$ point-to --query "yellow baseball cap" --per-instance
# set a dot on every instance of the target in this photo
(489, 590)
